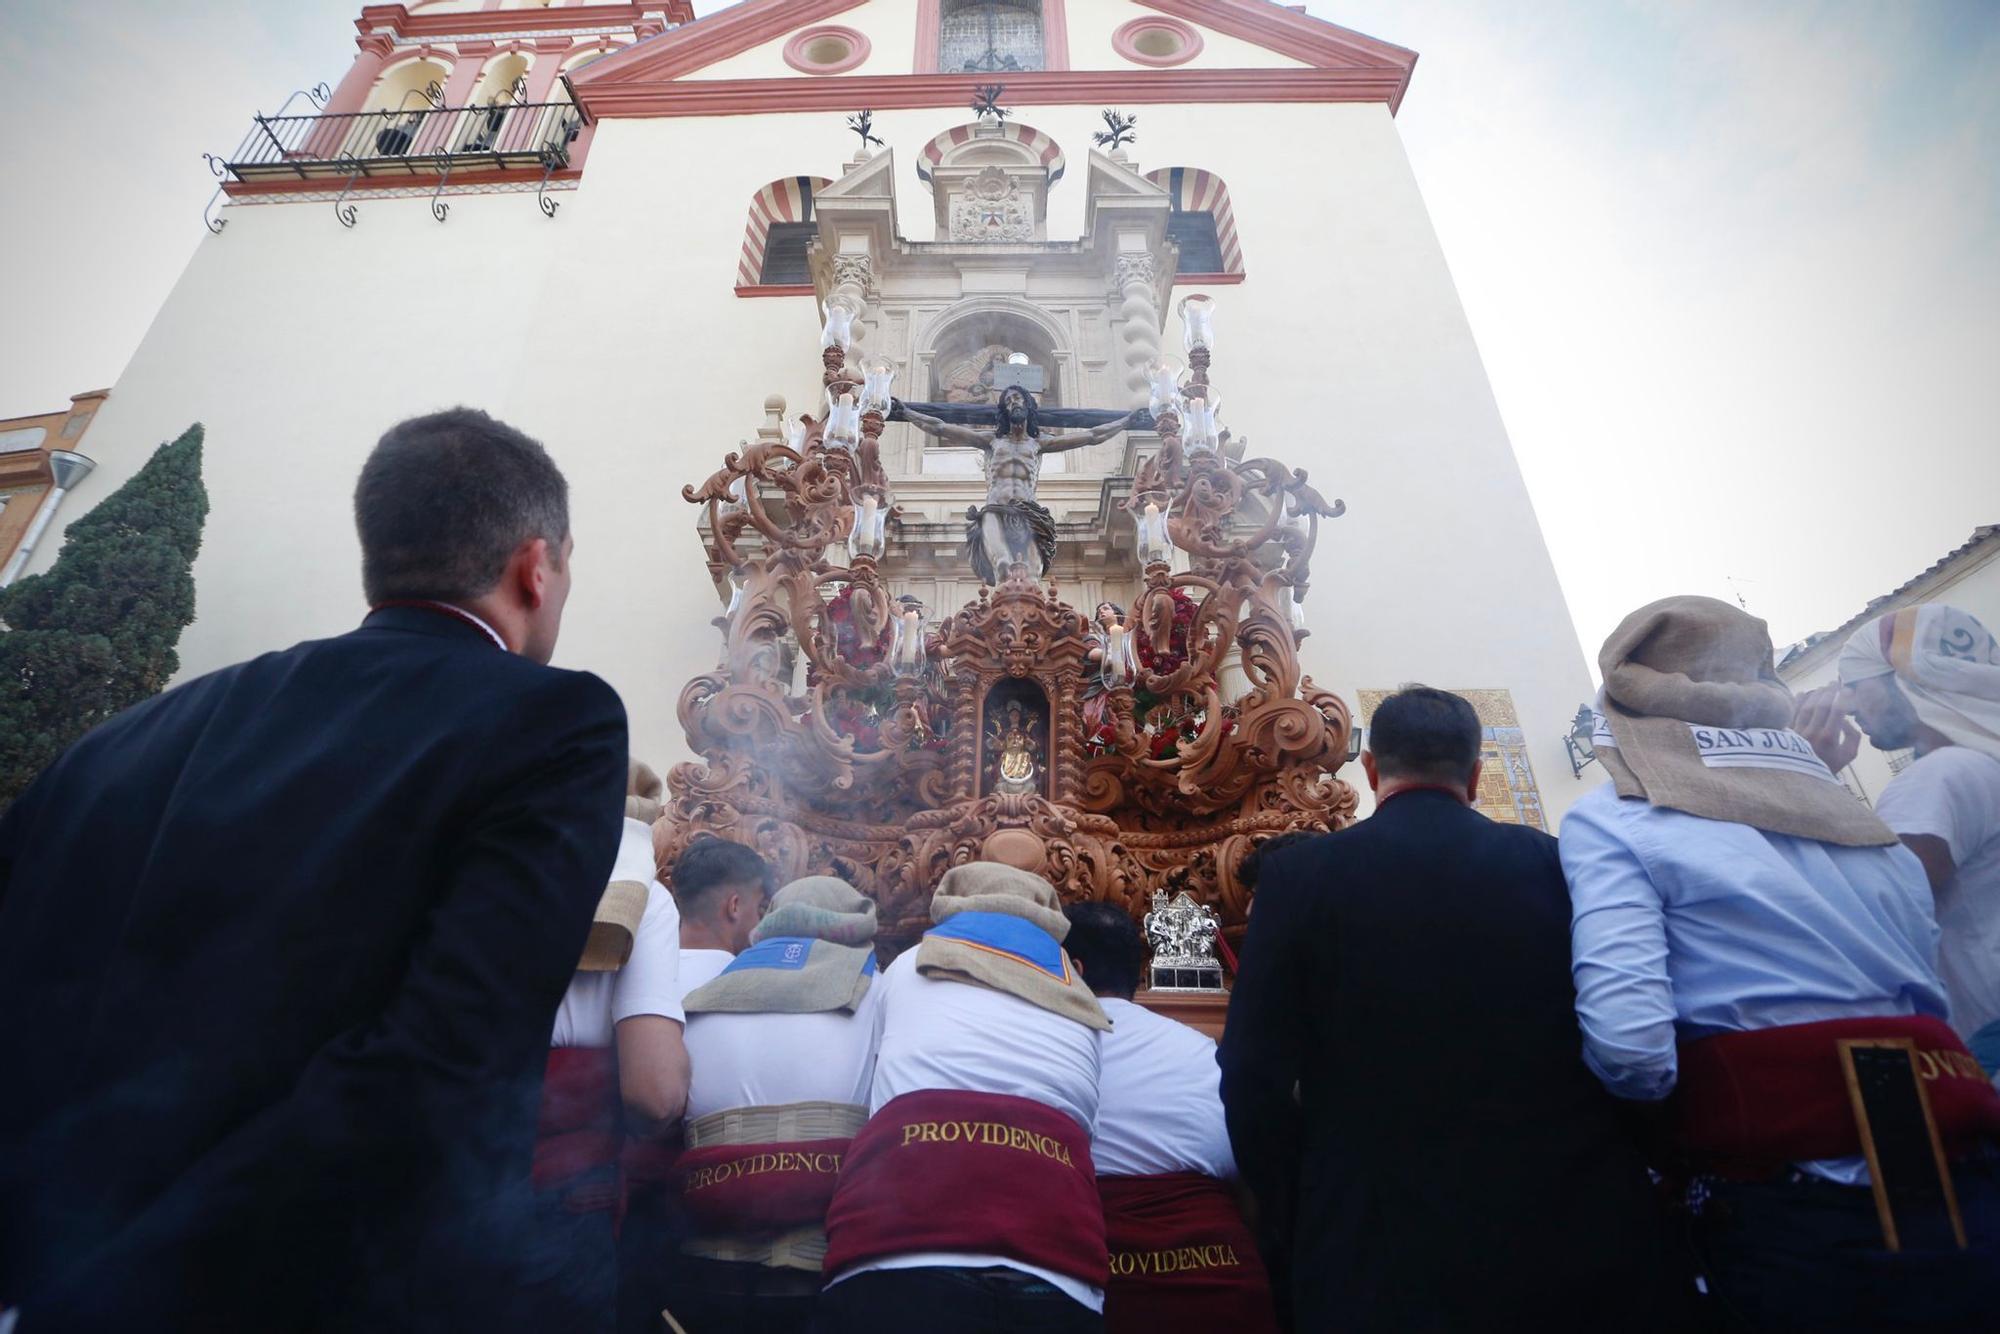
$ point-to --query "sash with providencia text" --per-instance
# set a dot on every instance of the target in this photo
(982, 1173)
(1181, 1257)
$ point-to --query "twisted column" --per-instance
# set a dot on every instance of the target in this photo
(1140, 330)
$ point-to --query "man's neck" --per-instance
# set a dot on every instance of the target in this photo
(701, 936)
(1396, 787)
(1929, 739)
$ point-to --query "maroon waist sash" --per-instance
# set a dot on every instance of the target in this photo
(576, 1132)
(986, 1173)
(1181, 1258)
(1747, 1104)
(760, 1187)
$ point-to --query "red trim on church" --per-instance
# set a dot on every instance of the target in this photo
(761, 97)
(451, 23)
(640, 80)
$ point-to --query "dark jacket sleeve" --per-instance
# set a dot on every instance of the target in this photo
(433, 1087)
(1263, 1038)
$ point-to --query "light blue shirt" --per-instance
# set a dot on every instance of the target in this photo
(1682, 926)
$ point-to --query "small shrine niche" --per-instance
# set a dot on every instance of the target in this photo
(1014, 740)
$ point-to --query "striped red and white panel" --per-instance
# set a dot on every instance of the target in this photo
(1196, 191)
(1046, 149)
(789, 199)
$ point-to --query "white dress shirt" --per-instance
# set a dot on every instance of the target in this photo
(1686, 927)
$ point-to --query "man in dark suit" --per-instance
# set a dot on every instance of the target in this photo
(1447, 1162)
(280, 949)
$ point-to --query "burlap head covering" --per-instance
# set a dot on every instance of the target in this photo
(615, 924)
(1696, 720)
(992, 887)
(643, 790)
(810, 954)
(1946, 663)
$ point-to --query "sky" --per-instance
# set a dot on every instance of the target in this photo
(1733, 265)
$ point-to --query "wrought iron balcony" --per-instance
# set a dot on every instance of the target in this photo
(425, 141)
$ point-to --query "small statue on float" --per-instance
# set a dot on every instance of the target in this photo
(1012, 736)
(1012, 528)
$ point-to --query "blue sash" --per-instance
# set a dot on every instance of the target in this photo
(1011, 937)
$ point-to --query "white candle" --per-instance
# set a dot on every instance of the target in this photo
(910, 636)
(868, 515)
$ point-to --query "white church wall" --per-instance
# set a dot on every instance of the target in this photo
(1091, 23)
(614, 334)
(889, 25)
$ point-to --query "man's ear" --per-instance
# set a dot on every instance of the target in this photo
(732, 905)
(1472, 783)
(529, 569)
(1368, 767)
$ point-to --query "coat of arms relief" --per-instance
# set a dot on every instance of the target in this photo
(992, 209)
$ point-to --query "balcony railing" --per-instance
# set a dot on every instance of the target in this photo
(421, 142)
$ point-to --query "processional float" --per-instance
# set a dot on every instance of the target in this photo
(1122, 756)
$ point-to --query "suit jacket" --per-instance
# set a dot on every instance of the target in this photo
(280, 951)
(1449, 1162)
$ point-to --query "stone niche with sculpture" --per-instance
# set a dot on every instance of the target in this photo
(1119, 747)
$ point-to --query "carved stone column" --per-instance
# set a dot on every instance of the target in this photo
(1139, 328)
(853, 285)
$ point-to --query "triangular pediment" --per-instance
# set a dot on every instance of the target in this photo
(657, 76)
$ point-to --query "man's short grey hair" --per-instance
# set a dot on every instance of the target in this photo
(445, 499)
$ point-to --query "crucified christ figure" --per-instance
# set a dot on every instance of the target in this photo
(1011, 527)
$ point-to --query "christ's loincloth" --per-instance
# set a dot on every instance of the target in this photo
(1026, 526)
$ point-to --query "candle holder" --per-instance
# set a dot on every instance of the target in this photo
(869, 537)
(1163, 381)
(839, 328)
(1119, 666)
(1198, 323)
(1154, 546)
(1198, 434)
(878, 375)
(843, 422)
(906, 649)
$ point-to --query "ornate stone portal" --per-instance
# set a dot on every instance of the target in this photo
(911, 748)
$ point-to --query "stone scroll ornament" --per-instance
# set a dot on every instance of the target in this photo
(831, 750)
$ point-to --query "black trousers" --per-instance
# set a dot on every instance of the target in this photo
(649, 1244)
(963, 1301)
(720, 1297)
(1800, 1253)
(569, 1279)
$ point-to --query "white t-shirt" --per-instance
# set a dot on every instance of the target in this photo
(767, 1060)
(957, 1035)
(700, 967)
(651, 982)
(1953, 794)
(1159, 1106)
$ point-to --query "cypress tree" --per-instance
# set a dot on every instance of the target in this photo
(96, 634)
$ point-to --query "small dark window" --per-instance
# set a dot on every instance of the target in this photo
(1201, 250)
(785, 253)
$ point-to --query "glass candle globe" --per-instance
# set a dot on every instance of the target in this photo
(1119, 666)
(1198, 322)
(843, 422)
(870, 535)
(906, 649)
(1155, 547)
(1163, 382)
(878, 375)
(1198, 429)
(839, 328)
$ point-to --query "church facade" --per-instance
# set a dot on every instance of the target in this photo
(622, 228)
